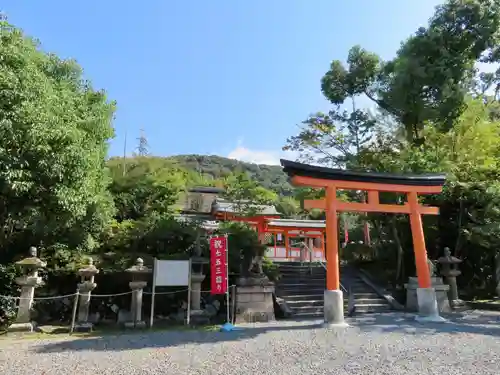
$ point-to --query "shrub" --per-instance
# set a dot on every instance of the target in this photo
(8, 287)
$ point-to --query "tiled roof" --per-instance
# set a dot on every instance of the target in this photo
(221, 205)
(297, 223)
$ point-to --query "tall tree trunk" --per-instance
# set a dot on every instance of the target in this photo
(458, 243)
(400, 252)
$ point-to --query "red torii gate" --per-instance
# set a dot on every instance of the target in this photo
(334, 179)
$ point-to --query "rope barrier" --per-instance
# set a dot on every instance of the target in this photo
(100, 295)
(110, 295)
(164, 293)
(38, 298)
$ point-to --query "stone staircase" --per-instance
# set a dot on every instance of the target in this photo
(303, 286)
(366, 300)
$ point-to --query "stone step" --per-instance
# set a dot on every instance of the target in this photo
(309, 315)
(307, 310)
(359, 286)
(302, 297)
(302, 273)
(372, 308)
(305, 289)
(302, 277)
(302, 281)
(304, 303)
(303, 284)
(362, 291)
(304, 292)
(356, 283)
(365, 295)
(352, 281)
(370, 301)
(299, 267)
(298, 283)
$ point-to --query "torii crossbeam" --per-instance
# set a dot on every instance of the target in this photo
(336, 179)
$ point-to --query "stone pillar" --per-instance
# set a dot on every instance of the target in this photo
(28, 282)
(455, 301)
(136, 305)
(449, 271)
(334, 308)
(254, 300)
(439, 291)
(196, 280)
(23, 320)
(254, 304)
(85, 288)
(139, 273)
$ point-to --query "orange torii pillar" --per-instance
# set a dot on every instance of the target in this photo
(332, 180)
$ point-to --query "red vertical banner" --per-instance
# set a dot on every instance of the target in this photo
(218, 262)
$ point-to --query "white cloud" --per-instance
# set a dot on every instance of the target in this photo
(259, 156)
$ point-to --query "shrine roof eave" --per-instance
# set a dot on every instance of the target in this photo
(253, 215)
(219, 207)
(206, 189)
(293, 168)
(298, 224)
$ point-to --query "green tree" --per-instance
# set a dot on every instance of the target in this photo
(432, 72)
(288, 206)
(246, 193)
(334, 139)
(151, 184)
(54, 134)
(429, 91)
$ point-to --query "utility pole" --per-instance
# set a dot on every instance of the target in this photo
(143, 146)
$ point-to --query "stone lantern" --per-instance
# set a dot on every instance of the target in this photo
(28, 282)
(198, 262)
(449, 270)
(139, 274)
(85, 287)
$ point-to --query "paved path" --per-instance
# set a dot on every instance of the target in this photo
(378, 344)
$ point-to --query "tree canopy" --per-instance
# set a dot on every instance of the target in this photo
(434, 112)
(54, 133)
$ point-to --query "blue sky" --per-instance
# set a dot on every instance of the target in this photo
(231, 78)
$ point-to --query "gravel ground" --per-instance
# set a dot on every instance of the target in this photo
(374, 344)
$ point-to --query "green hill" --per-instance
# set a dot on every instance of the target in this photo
(208, 167)
(271, 177)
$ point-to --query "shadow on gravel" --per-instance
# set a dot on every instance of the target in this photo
(481, 323)
(166, 339)
(472, 322)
